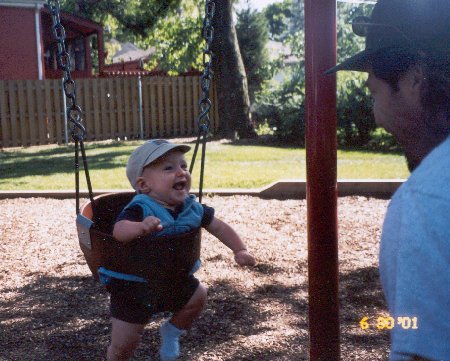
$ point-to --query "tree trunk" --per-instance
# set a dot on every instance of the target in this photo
(230, 77)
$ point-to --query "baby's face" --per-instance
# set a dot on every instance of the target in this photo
(167, 180)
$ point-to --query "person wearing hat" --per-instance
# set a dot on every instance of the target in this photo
(158, 172)
(407, 61)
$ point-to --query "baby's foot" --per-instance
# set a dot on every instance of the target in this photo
(170, 341)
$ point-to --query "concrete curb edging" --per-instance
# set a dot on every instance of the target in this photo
(282, 189)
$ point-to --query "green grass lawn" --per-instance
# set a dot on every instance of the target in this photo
(227, 166)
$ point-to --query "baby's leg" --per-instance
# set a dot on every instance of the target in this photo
(125, 338)
(184, 318)
(181, 320)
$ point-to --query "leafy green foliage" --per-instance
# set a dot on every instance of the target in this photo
(283, 109)
(252, 33)
(282, 105)
(354, 109)
(171, 27)
(178, 40)
(354, 104)
(348, 42)
(136, 17)
(381, 140)
(278, 16)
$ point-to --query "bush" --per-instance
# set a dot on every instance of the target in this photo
(383, 141)
(285, 115)
(354, 111)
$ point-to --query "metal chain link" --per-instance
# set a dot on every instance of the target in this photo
(203, 120)
(73, 111)
(206, 77)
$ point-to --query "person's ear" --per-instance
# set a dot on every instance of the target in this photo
(411, 84)
(143, 186)
(417, 77)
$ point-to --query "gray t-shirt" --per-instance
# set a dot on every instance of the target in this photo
(415, 260)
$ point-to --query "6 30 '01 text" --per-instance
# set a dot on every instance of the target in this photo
(388, 323)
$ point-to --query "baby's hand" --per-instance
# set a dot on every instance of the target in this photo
(244, 258)
(151, 224)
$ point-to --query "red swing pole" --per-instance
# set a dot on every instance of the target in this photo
(321, 166)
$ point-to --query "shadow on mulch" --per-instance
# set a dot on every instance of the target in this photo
(67, 318)
(361, 296)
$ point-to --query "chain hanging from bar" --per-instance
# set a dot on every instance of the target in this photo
(203, 120)
(64, 63)
(73, 110)
(206, 78)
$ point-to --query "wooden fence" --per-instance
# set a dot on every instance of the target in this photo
(32, 112)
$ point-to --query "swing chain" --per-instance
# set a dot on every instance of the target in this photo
(205, 83)
(73, 110)
(206, 78)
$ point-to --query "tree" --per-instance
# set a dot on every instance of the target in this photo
(177, 39)
(230, 76)
(282, 105)
(354, 104)
(278, 16)
(252, 32)
(135, 16)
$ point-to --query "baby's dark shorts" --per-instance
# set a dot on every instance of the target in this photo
(134, 302)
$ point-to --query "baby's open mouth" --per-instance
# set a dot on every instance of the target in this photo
(179, 186)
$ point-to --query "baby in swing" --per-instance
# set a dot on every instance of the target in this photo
(158, 171)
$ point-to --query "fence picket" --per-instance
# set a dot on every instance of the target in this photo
(12, 96)
(146, 109)
(106, 127)
(58, 111)
(153, 109)
(84, 91)
(111, 116)
(47, 112)
(196, 96)
(189, 106)
(181, 104)
(175, 107)
(23, 110)
(120, 115)
(168, 118)
(96, 111)
(42, 126)
(29, 113)
(134, 107)
(160, 107)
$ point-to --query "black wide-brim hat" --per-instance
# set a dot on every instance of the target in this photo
(419, 25)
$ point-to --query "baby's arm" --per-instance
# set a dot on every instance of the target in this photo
(231, 239)
(125, 230)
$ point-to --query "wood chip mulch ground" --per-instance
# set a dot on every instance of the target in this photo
(52, 309)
